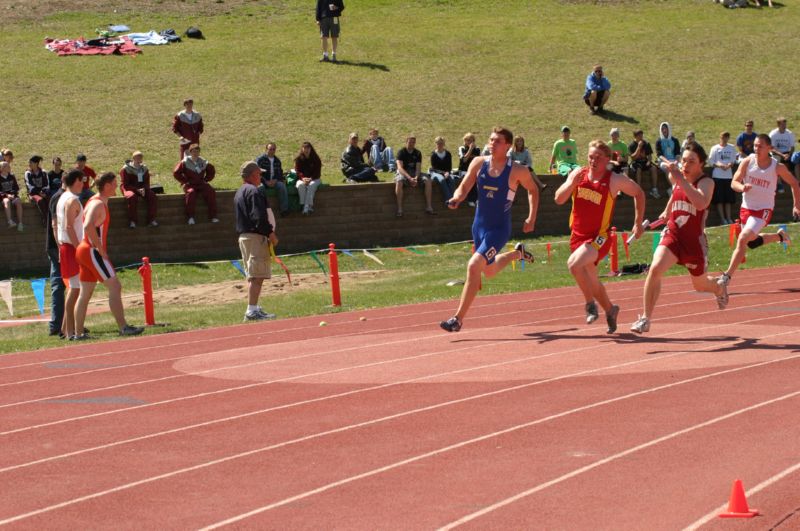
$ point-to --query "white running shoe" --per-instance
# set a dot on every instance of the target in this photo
(591, 312)
(641, 325)
(785, 237)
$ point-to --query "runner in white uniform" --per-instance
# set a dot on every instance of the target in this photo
(757, 180)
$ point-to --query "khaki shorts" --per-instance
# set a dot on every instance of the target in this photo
(255, 255)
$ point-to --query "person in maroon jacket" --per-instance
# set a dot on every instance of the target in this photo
(135, 184)
(188, 125)
(194, 173)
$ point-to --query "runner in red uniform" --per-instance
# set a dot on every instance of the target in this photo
(92, 255)
(683, 240)
(593, 191)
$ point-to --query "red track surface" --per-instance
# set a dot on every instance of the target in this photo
(526, 419)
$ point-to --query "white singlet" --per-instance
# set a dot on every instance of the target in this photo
(61, 215)
(764, 182)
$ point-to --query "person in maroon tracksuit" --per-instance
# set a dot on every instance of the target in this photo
(188, 125)
(194, 173)
(135, 184)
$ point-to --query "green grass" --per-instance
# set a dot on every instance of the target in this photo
(407, 278)
(425, 66)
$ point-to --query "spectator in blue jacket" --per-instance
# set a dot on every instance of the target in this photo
(272, 177)
(598, 88)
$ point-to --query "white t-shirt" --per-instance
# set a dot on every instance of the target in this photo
(724, 155)
(783, 142)
(61, 219)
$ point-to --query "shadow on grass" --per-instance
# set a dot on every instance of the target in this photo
(363, 64)
(612, 116)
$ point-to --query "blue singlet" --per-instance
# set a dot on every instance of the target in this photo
(492, 226)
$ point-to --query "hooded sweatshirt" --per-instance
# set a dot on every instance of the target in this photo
(667, 146)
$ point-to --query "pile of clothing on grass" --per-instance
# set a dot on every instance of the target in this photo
(114, 40)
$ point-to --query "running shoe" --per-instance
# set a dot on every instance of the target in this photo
(451, 325)
(591, 312)
(80, 337)
(722, 298)
(784, 237)
(724, 280)
(266, 315)
(129, 330)
(611, 319)
(524, 255)
(255, 315)
(641, 325)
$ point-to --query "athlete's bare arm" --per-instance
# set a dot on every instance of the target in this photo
(738, 184)
(520, 175)
(565, 191)
(621, 183)
(73, 210)
(788, 178)
(467, 183)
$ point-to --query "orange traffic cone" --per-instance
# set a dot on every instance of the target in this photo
(737, 506)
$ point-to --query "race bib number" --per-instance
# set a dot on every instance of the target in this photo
(490, 254)
(600, 240)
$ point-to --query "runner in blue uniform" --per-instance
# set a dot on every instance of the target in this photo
(497, 180)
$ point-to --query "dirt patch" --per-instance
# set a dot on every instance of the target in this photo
(16, 10)
(236, 290)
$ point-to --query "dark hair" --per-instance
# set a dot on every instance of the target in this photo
(73, 175)
(57, 159)
(104, 179)
(638, 132)
(765, 138)
(312, 156)
(505, 133)
(696, 148)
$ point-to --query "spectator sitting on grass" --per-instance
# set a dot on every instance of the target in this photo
(89, 176)
(409, 173)
(194, 173)
(598, 89)
(354, 168)
(38, 186)
(522, 156)
(565, 154)
(641, 155)
(9, 194)
(134, 184)
(308, 167)
(379, 155)
(441, 168)
(272, 177)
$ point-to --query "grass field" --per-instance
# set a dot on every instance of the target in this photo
(425, 66)
(408, 277)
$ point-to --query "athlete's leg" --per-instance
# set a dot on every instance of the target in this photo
(70, 325)
(707, 284)
(475, 266)
(663, 259)
(87, 289)
(115, 300)
(583, 255)
(500, 263)
(598, 289)
(745, 237)
(254, 290)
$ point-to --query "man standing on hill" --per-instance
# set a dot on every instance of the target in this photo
(328, 13)
(497, 179)
(188, 125)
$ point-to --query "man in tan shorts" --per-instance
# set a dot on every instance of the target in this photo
(255, 225)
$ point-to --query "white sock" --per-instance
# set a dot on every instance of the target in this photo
(251, 308)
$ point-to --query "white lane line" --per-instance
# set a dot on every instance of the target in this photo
(609, 459)
(329, 486)
(317, 353)
(297, 377)
(758, 488)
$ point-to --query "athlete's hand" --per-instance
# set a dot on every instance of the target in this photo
(452, 203)
(637, 230)
(528, 225)
(795, 214)
(746, 187)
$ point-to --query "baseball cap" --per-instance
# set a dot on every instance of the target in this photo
(614, 131)
(564, 128)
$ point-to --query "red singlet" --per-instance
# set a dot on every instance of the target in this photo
(592, 209)
(684, 234)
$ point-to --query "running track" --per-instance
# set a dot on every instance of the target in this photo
(527, 418)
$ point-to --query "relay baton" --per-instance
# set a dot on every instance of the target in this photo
(647, 225)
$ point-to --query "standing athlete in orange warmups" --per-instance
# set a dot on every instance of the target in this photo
(593, 190)
(92, 256)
